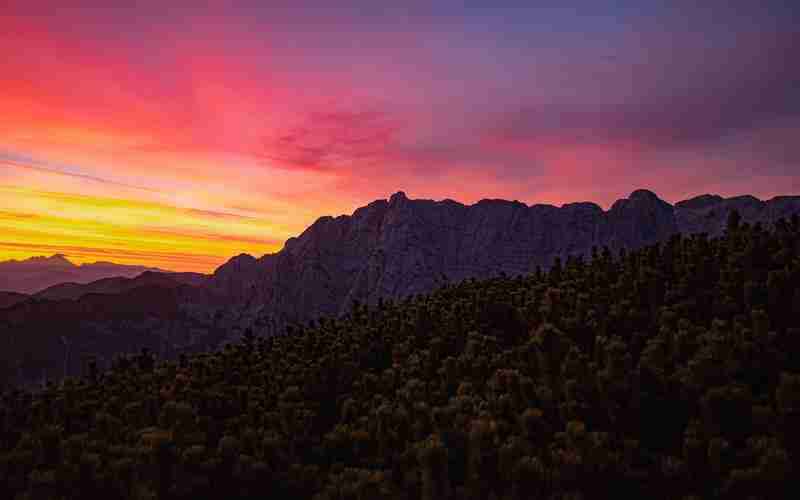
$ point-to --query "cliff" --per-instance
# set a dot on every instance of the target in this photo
(400, 246)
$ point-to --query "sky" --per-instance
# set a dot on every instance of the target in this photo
(177, 136)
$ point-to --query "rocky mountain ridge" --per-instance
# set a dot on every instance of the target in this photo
(401, 246)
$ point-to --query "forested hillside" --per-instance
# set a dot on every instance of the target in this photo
(667, 372)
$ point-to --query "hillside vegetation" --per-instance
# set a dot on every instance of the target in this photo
(668, 372)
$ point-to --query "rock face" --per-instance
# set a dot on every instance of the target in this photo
(397, 247)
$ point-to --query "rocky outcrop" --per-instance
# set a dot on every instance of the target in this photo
(400, 246)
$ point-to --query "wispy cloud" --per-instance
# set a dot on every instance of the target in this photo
(15, 160)
(220, 215)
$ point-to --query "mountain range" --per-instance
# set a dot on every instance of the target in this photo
(400, 246)
(385, 250)
(37, 273)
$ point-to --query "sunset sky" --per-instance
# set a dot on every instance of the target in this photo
(178, 136)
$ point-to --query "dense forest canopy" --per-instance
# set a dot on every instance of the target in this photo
(667, 372)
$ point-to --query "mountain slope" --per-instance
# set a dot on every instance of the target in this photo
(8, 299)
(116, 285)
(37, 273)
(399, 247)
(42, 336)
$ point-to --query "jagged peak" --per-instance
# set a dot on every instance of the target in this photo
(234, 262)
(493, 201)
(398, 197)
(583, 205)
(643, 194)
(637, 197)
(239, 259)
(745, 198)
(58, 258)
(701, 201)
(243, 256)
(373, 209)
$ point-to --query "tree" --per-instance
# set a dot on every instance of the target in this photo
(734, 219)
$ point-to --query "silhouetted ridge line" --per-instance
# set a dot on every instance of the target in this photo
(401, 246)
(37, 273)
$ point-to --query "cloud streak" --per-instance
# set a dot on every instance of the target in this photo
(21, 161)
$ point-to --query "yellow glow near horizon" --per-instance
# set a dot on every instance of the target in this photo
(90, 228)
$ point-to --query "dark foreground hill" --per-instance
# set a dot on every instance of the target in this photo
(669, 372)
(43, 337)
(117, 285)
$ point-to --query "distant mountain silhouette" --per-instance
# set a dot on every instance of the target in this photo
(37, 273)
(73, 291)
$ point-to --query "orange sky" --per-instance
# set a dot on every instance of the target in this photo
(178, 138)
